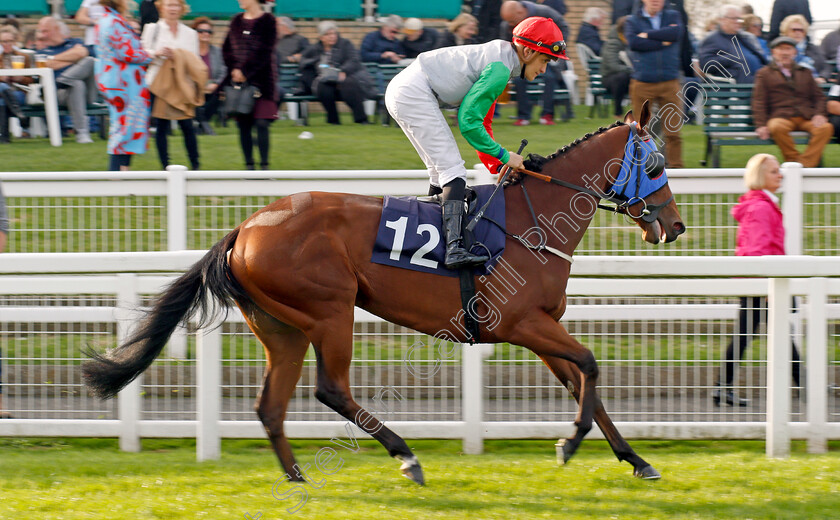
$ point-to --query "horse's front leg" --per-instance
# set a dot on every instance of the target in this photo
(569, 375)
(546, 338)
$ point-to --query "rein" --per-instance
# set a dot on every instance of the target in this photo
(648, 213)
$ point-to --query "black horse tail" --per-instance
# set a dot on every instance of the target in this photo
(106, 374)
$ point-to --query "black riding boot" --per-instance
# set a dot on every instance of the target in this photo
(453, 216)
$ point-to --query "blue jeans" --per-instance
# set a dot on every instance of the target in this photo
(18, 94)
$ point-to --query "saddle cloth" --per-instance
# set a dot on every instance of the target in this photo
(410, 235)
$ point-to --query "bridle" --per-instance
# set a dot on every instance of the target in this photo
(642, 166)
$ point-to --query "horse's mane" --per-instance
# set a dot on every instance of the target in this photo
(536, 162)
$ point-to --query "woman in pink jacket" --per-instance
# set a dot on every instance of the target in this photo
(760, 232)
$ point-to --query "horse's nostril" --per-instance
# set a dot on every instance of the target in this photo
(679, 228)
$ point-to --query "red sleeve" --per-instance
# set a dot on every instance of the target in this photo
(492, 164)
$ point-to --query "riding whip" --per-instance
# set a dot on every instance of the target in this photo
(474, 222)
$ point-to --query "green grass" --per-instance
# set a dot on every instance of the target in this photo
(349, 146)
(90, 478)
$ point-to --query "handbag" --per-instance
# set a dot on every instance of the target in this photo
(240, 98)
(328, 74)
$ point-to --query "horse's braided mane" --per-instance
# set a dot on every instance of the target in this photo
(536, 162)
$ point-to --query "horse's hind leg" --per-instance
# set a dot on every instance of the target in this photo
(333, 342)
(569, 375)
(285, 348)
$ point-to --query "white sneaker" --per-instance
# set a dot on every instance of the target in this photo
(83, 138)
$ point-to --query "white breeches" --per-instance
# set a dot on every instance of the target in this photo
(410, 101)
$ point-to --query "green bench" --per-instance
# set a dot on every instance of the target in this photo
(727, 120)
(98, 110)
(596, 87)
(289, 79)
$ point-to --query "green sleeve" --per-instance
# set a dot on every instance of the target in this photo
(490, 85)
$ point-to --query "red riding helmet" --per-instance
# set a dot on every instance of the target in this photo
(542, 35)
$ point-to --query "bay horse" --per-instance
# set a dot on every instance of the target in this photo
(297, 268)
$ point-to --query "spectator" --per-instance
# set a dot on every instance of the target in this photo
(212, 57)
(833, 107)
(11, 97)
(786, 98)
(807, 54)
(462, 30)
(382, 46)
(829, 45)
(30, 38)
(616, 67)
(784, 8)
(588, 35)
(249, 55)
(722, 42)
(489, 20)
(418, 39)
(120, 76)
(747, 10)
(760, 233)
(557, 5)
(651, 36)
(331, 70)
(89, 12)
(513, 12)
(753, 25)
(290, 44)
(73, 69)
(160, 40)
(148, 13)
(622, 8)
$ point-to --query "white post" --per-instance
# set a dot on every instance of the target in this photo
(472, 395)
(128, 400)
(51, 106)
(778, 368)
(792, 207)
(817, 366)
(208, 387)
(176, 208)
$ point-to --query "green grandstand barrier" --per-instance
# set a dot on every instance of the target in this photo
(71, 6)
(221, 9)
(426, 9)
(330, 9)
(19, 7)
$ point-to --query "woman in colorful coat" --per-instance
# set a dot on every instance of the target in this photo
(121, 78)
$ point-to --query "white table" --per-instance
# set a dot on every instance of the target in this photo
(50, 98)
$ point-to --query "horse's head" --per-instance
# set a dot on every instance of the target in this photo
(639, 185)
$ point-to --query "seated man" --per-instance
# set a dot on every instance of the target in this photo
(588, 35)
(418, 39)
(382, 46)
(786, 98)
(719, 50)
(513, 12)
(73, 67)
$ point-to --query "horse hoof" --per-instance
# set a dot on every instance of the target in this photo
(411, 469)
(647, 473)
(565, 450)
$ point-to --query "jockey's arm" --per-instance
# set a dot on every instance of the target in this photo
(476, 105)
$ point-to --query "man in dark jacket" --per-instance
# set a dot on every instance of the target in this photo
(512, 13)
(653, 36)
(418, 39)
(730, 49)
(588, 34)
(784, 8)
(382, 46)
(786, 98)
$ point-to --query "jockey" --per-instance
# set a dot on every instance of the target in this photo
(469, 77)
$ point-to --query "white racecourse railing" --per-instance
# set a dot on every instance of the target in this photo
(468, 380)
(177, 210)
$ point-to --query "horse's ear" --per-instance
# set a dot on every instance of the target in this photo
(644, 117)
(628, 117)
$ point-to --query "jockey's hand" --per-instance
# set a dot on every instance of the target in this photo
(515, 161)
